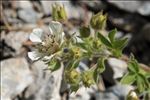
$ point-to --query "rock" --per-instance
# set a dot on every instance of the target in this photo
(145, 9)
(119, 67)
(16, 76)
(120, 91)
(142, 7)
(15, 39)
(24, 4)
(105, 96)
(78, 12)
(83, 93)
(117, 92)
(46, 85)
(139, 45)
(29, 15)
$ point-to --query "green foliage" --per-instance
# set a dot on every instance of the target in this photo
(71, 52)
(129, 78)
(54, 64)
(115, 45)
(136, 75)
(84, 31)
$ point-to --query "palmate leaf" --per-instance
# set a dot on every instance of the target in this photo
(129, 78)
(111, 35)
(104, 40)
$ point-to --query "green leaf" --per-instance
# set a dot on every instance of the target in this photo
(95, 75)
(84, 31)
(76, 64)
(101, 65)
(133, 66)
(82, 45)
(117, 53)
(140, 83)
(104, 40)
(120, 44)
(143, 72)
(129, 78)
(111, 35)
(54, 65)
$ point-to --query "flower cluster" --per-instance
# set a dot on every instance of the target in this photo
(56, 48)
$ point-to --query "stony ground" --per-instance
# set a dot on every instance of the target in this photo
(22, 79)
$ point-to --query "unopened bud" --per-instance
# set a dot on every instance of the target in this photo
(87, 78)
(58, 12)
(98, 21)
(72, 76)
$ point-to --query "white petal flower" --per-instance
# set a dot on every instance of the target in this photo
(43, 50)
(55, 27)
(34, 55)
(37, 35)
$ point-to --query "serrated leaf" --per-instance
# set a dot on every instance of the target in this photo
(120, 44)
(129, 78)
(111, 35)
(104, 40)
(101, 65)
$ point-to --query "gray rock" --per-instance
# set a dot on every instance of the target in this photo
(16, 76)
(15, 39)
(46, 85)
(142, 7)
(119, 67)
(29, 15)
(117, 92)
(105, 96)
(145, 9)
(120, 91)
(78, 12)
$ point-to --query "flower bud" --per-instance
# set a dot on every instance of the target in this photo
(132, 96)
(84, 31)
(98, 21)
(58, 12)
(87, 78)
(72, 76)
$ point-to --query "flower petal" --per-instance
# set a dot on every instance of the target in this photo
(48, 57)
(55, 27)
(36, 35)
(34, 55)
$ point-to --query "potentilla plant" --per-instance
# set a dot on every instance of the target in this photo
(56, 47)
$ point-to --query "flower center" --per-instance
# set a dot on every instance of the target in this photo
(49, 45)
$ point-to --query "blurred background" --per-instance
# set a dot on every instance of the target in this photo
(22, 79)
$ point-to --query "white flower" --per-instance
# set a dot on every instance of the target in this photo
(46, 43)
